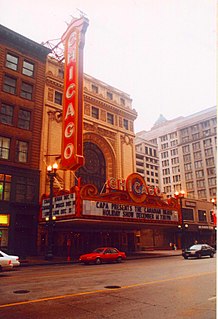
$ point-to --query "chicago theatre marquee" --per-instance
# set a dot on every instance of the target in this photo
(100, 201)
(120, 216)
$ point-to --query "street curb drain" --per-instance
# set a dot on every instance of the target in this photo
(112, 287)
(21, 291)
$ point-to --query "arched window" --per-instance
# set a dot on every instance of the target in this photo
(94, 169)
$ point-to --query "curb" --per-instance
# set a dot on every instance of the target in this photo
(27, 263)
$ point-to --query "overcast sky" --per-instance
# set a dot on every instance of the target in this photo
(161, 52)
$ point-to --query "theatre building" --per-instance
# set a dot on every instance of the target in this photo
(111, 204)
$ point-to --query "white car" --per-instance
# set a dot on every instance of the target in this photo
(5, 263)
(14, 259)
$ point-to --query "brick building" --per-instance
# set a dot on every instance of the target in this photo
(22, 83)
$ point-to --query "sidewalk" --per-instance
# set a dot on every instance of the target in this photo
(40, 260)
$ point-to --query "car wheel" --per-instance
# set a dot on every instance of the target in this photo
(97, 261)
(211, 255)
(198, 255)
(119, 259)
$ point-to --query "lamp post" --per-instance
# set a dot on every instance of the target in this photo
(214, 216)
(51, 171)
(180, 195)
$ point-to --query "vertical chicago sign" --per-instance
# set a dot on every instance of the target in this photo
(72, 130)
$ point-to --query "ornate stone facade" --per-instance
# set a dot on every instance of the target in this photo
(108, 123)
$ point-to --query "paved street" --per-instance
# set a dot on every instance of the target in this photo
(144, 289)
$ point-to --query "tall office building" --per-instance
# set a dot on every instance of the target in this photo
(187, 153)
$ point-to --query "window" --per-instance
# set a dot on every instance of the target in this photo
(213, 191)
(125, 124)
(207, 142)
(206, 133)
(110, 118)
(165, 163)
(164, 154)
(187, 214)
(194, 128)
(197, 155)
(187, 158)
(211, 171)
(9, 84)
(58, 97)
(139, 156)
(174, 143)
(95, 112)
(188, 176)
(28, 68)
(109, 95)
(188, 167)
(202, 216)
(4, 147)
(11, 62)
(176, 178)
(166, 180)
(185, 139)
(173, 135)
(94, 89)
(6, 114)
(26, 91)
(189, 186)
(164, 146)
(122, 101)
(196, 136)
(185, 149)
(199, 174)
(5, 187)
(201, 183)
(166, 171)
(139, 163)
(25, 189)
(174, 152)
(24, 119)
(198, 164)
(209, 152)
(61, 73)
(205, 124)
(210, 161)
(21, 151)
(212, 181)
(175, 160)
(196, 146)
(175, 169)
(202, 194)
(184, 132)
(167, 189)
(163, 138)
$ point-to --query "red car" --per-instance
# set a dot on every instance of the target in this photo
(103, 254)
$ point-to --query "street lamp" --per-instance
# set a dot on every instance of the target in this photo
(52, 172)
(214, 216)
(180, 195)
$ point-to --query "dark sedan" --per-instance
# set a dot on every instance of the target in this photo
(198, 251)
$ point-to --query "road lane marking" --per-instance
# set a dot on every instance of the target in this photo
(103, 290)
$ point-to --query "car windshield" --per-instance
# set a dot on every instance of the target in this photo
(98, 250)
(195, 247)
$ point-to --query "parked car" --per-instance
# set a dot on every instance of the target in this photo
(14, 259)
(5, 264)
(198, 250)
(103, 254)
